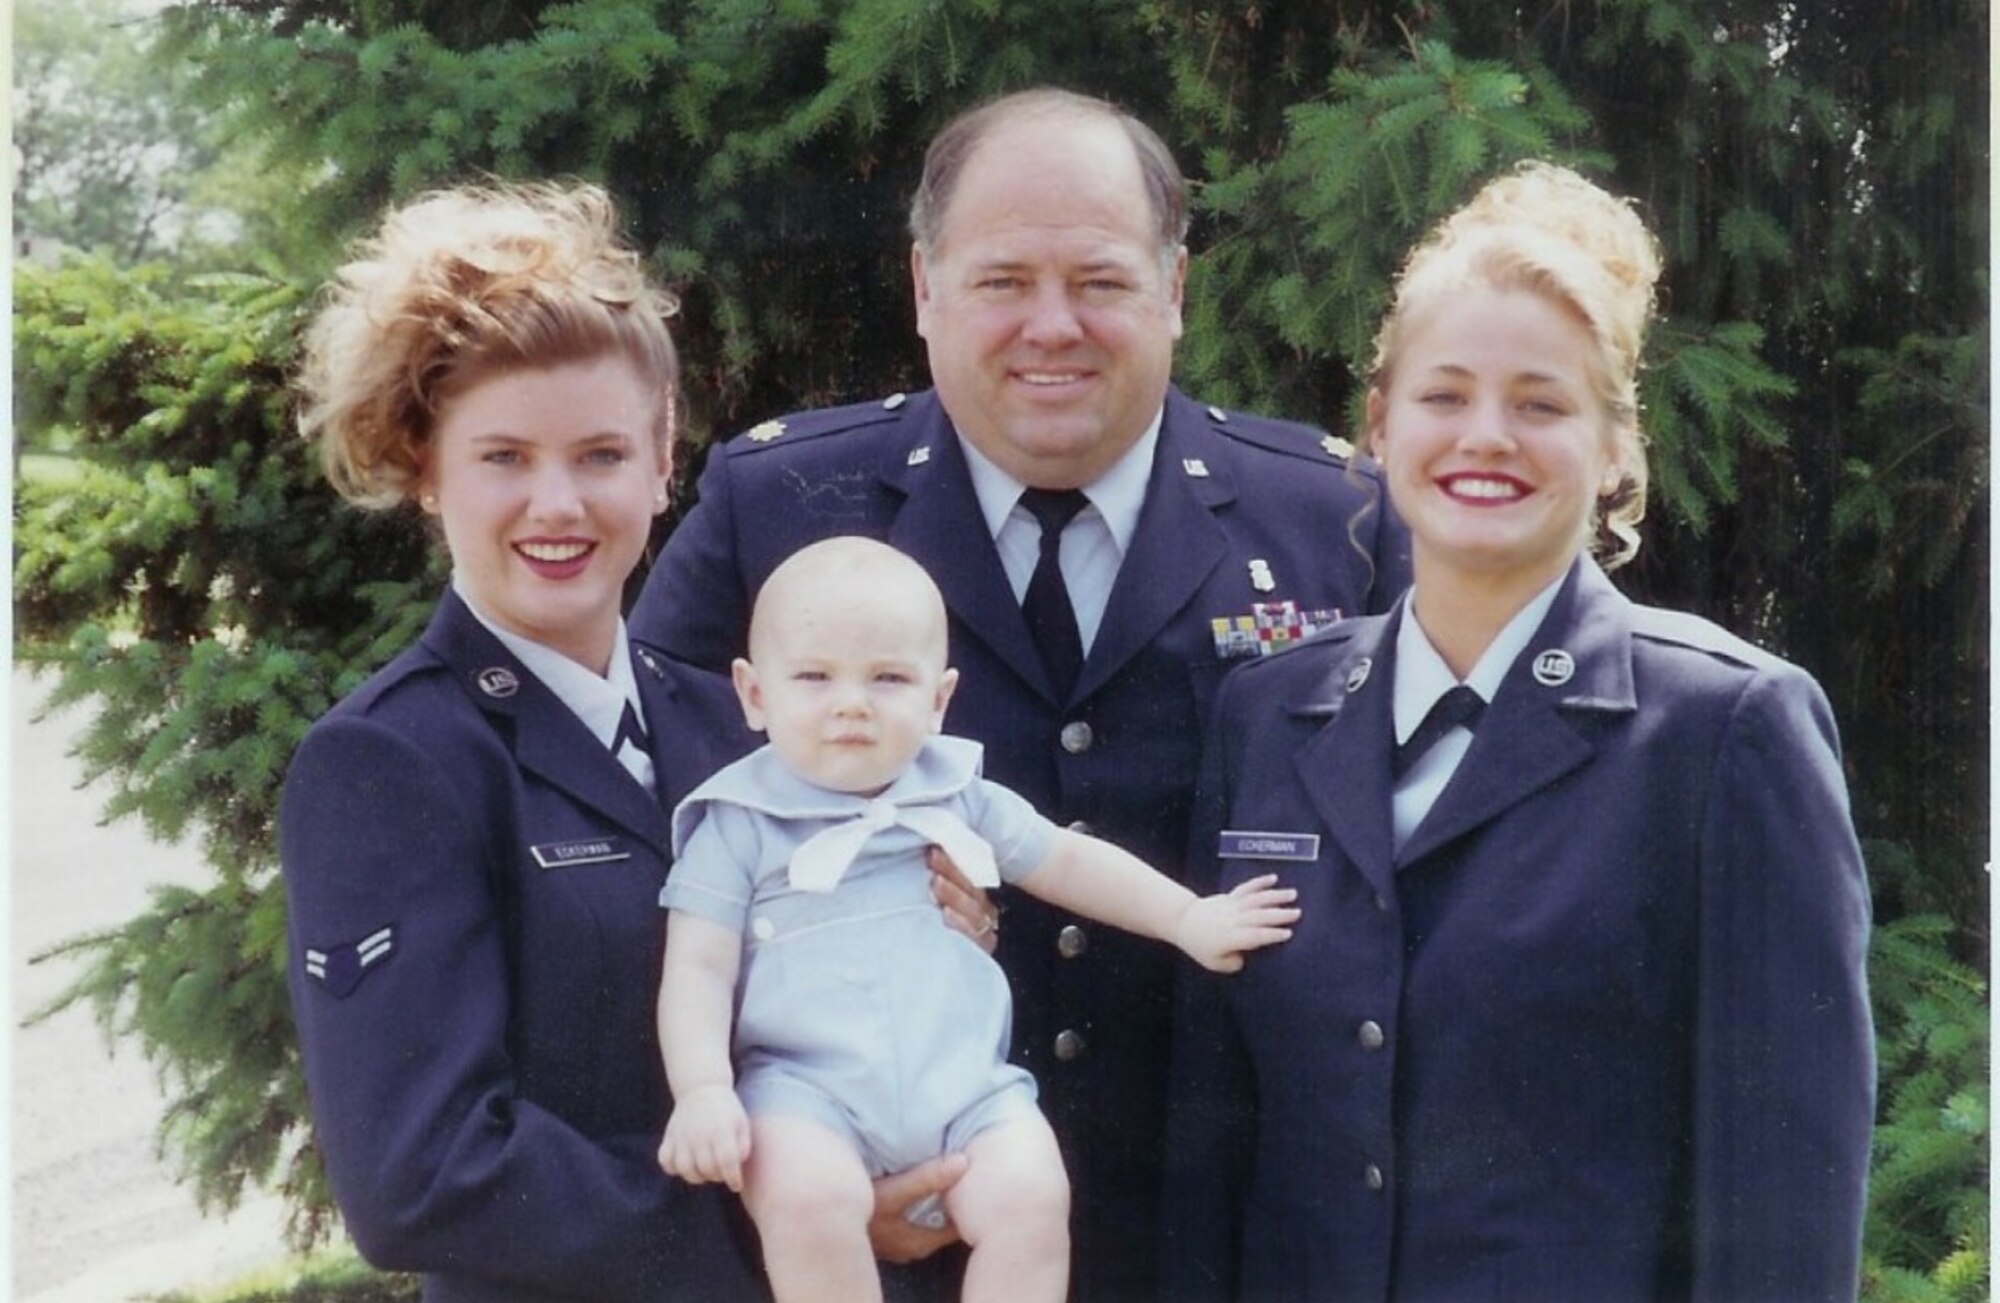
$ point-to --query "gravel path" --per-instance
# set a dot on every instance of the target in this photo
(96, 1216)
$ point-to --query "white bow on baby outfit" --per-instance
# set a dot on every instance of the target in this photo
(823, 858)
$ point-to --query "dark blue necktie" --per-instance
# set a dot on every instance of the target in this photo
(631, 747)
(1461, 705)
(1051, 616)
(631, 733)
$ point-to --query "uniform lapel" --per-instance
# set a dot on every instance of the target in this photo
(1174, 548)
(940, 525)
(674, 761)
(1577, 667)
(692, 720)
(1344, 765)
(548, 739)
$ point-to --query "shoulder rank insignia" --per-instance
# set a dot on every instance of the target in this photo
(340, 968)
(1337, 446)
(765, 431)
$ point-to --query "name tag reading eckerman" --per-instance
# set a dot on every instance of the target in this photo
(564, 855)
(1298, 846)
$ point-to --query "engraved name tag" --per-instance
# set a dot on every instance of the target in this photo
(568, 855)
(1300, 846)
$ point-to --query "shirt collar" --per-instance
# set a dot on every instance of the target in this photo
(1118, 494)
(1422, 676)
(598, 702)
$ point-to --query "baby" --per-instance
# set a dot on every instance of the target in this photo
(868, 1035)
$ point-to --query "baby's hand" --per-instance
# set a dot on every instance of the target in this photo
(708, 1138)
(1216, 930)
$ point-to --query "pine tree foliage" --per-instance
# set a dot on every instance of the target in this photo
(199, 587)
(1816, 389)
(1928, 1238)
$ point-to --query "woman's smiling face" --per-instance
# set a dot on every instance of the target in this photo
(546, 481)
(1495, 443)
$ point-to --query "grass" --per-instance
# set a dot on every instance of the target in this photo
(332, 1276)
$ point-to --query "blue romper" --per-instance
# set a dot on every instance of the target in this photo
(856, 1005)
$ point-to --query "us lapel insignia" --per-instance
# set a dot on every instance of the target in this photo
(1217, 414)
(1195, 467)
(918, 456)
(340, 968)
(498, 681)
(1260, 575)
(1554, 667)
(765, 432)
(1337, 446)
(893, 401)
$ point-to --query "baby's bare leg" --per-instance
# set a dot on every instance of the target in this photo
(1012, 1207)
(808, 1192)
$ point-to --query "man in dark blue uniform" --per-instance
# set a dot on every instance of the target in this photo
(1153, 542)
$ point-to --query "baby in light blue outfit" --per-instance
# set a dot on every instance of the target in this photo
(859, 1007)
(820, 1023)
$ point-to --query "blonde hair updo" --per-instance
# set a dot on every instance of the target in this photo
(458, 283)
(1545, 229)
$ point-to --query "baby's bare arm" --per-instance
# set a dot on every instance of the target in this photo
(708, 1135)
(1101, 881)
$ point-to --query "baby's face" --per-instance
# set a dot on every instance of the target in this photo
(847, 686)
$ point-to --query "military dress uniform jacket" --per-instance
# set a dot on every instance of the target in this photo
(1597, 1032)
(1239, 511)
(475, 953)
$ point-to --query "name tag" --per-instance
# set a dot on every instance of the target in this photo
(568, 855)
(1298, 846)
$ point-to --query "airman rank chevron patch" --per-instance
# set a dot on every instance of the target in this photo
(340, 968)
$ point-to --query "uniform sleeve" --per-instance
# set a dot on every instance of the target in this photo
(400, 984)
(1019, 834)
(715, 873)
(1785, 1067)
(1211, 1103)
(695, 605)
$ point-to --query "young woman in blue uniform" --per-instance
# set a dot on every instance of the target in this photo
(474, 841)
(1575, 1009)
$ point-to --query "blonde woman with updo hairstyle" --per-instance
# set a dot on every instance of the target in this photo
(1575, 1008)
(474, 840)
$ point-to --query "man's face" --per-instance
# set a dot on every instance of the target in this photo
(1048, 305)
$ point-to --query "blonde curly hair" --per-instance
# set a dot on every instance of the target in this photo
(1545, 229)
(455, 284)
